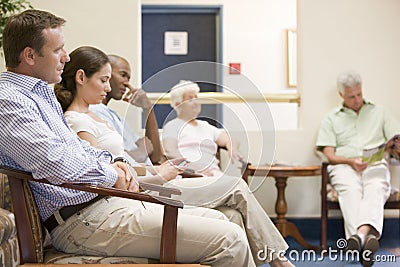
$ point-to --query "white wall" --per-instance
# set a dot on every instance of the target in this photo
(90, 22)
(100, 23)
(332, 36)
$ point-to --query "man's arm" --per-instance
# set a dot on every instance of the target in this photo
(54, 154)
(138, 97)
(151, 132)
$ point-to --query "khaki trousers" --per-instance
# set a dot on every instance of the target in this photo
(361, 195)
(123, 227)
(234, 193)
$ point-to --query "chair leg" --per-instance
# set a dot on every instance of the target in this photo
(324, 228)
(324, 207)
(168, 235)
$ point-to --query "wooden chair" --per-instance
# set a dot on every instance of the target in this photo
(329, 201)
(30, 231)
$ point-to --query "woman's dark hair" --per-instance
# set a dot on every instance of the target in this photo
(86, 58)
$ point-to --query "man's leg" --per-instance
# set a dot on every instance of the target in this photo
(233, 192)
(347, 182)
(376, 186)
(122, 227)
(376, 190)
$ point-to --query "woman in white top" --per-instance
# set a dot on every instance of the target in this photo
(87, 84)
(193, 139)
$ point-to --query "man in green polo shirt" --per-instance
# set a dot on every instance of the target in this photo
(363, 187)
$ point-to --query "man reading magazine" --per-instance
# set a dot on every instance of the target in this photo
(362, 187)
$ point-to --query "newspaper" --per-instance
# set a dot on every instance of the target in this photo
(373, 154)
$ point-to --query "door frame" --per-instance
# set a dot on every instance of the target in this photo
(217, 10)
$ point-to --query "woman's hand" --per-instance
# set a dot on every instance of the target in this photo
(169, 169)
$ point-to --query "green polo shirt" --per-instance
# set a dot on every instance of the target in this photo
(350, 133)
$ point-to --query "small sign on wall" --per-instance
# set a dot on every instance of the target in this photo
(176, 43)
(234, 68)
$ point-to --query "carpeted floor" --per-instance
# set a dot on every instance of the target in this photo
(387, 255)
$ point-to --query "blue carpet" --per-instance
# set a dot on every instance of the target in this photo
(387, 255)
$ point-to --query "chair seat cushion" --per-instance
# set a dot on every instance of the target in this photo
(7, 225)
(9, 253)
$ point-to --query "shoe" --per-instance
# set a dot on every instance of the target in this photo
(354, 243)
(370, 247)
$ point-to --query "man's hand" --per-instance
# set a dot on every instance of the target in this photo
(393, 146)
(358, 165)
(126, 178)
(137, 97)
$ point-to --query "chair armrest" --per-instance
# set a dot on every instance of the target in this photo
(106, 191)
(162, 191)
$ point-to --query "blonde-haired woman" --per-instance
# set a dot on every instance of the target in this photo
(194, 139)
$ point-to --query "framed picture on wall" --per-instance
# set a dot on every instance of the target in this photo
(291, 45)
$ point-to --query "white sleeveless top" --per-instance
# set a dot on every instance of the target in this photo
(107, 137)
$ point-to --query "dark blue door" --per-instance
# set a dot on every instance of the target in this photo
(203, 45)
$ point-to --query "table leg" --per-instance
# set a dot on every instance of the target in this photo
(281, 205)
(287, 228)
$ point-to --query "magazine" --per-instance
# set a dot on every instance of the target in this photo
(373, 154)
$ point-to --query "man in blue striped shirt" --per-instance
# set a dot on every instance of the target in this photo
(34, 137)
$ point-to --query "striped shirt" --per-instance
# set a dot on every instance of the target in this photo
(35, 137)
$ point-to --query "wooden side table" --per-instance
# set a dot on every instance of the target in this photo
(281, 174)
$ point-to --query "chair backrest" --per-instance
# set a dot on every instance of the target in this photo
(27, 218)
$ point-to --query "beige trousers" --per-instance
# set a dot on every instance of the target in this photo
(233, 193)
(361, 195)
(123, 227)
